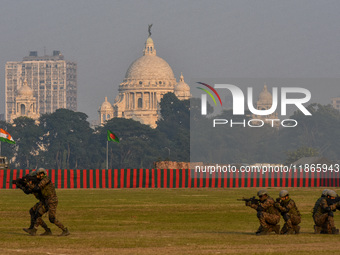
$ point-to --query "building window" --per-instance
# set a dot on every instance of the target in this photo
(22, 109)
(140, 103)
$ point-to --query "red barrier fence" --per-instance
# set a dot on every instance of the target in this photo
(172, 178)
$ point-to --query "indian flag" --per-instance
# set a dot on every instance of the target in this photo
(6, 137)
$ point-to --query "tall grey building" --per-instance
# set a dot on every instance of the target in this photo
(52, 79)
(336, 102)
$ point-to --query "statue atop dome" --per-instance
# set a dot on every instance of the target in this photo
(149, 29)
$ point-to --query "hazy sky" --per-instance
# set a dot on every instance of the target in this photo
(202, 39)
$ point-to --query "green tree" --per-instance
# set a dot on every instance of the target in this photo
(320, 131)
(65, 141)
(140, 145)
(175, 124)
(28, 142)
(293, 156)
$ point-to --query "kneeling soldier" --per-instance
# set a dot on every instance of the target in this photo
(323, 214)
(267, 214)
(289, 212)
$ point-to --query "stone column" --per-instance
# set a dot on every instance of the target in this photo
(126, 100)
(155, 100)
(135, 102)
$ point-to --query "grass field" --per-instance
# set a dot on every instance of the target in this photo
(158, 221)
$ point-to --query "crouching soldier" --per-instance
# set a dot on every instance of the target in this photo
(50, 202)
(38, 207)
(23, 183)
(323, 214)
(289, 212)
(267, 214)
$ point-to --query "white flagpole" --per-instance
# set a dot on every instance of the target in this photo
(107, 154)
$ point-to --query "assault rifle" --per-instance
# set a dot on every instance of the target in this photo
(21, 183)
(333, 201)
(253, 200)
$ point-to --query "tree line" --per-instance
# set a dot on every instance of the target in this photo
(65, 140)
(316, 135)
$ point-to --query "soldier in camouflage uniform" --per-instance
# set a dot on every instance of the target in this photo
(50, 202)
(37, 209)
(289, 212)
(323, 214)
(30, 179)
(267, 214)
(318, 230)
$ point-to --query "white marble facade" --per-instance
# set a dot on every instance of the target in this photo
(146, 81)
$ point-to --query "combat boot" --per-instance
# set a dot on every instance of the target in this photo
(31, 231)
(265, 231)
(297, 229)
(276, 229)
(47, 232)
(65, 232)
(317, 229)
(290, 231)
(259, 229)
(335, 231)
(326, 231)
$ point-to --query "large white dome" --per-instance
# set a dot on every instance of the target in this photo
(150, 67)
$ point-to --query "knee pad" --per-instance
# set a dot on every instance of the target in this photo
(32, 212)
(52, 219)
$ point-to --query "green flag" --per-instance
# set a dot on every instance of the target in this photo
(112, 137)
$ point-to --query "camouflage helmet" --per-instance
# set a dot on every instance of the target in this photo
(261, 192)
(41, 170)
(283, 193)
(324, 192)
(331, 193)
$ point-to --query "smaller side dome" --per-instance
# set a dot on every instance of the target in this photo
(106, 106)
(182, 85)
(265, 95)
(25, 90)
(182, 89)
